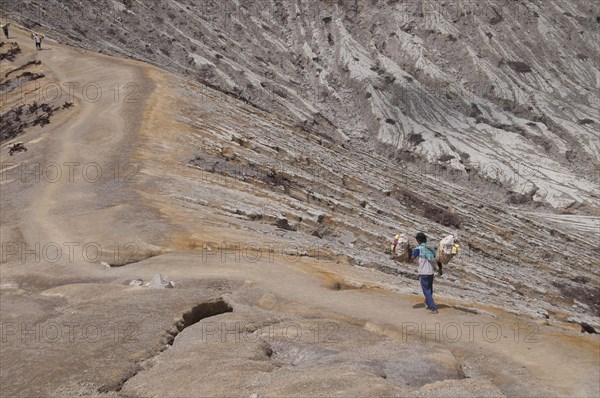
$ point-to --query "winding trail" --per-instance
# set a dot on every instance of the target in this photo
(96, 195)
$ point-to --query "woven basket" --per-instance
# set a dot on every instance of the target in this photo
(443, 257)
(404, 256)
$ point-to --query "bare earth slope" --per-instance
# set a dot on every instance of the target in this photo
(262, 242)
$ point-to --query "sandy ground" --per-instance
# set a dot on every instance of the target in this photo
(478, 350)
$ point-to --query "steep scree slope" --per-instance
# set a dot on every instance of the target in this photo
(508, 89)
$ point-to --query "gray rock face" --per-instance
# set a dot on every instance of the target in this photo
(502, 88)
(512, 255)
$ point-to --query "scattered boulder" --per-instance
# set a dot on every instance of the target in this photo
(284, 223)
(543, 322)
(159, 281)
(136, 282)
(254, 215)
(228, 154)
(319, 233)
(520, 67)
(587, 328)
(348, 239)
(585, 121)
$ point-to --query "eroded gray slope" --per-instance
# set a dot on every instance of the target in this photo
(506, 88)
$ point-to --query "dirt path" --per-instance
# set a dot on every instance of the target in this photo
(94, 195)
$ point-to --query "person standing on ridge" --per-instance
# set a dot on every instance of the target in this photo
(5, 29)
(37, 38)
(426, 256)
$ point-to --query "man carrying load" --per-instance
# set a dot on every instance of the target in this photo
(426, 255)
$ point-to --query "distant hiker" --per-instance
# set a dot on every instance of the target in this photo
(37, 38)
(426, 256)
(5, 29)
